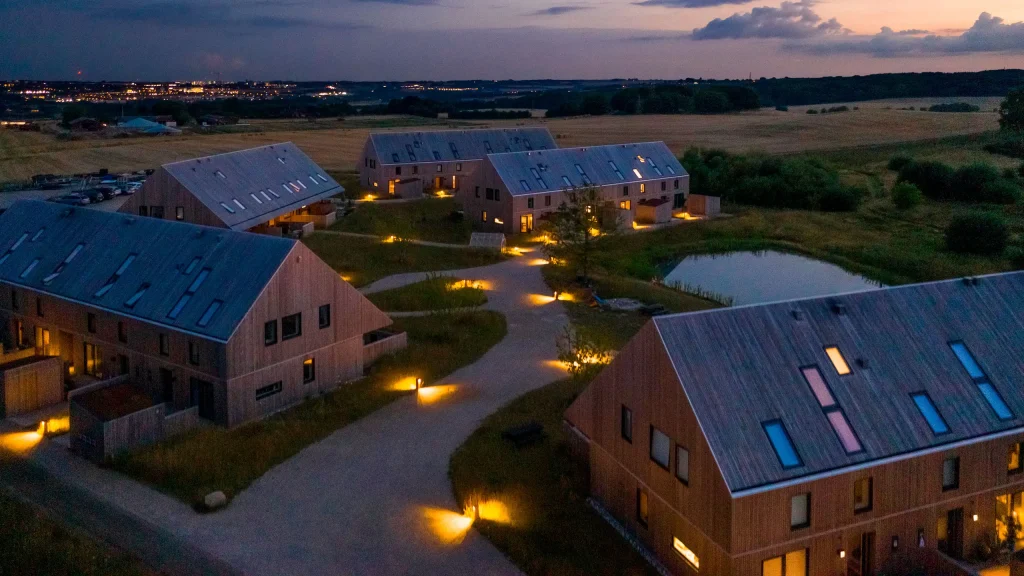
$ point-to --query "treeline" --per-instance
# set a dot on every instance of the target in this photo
(660, 99)
(770, 182)
(185, 113)
(977, 182)
(955, 107)
(810, 91)
(492, 114)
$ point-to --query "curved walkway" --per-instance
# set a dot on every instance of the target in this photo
(373, 498)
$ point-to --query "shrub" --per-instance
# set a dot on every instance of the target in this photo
(934, 179)
(977, 233)
(812, 111)
(906, 196)
(840, 199)
(897, 162)
(1007, 146)
(1001, 191)
(970, 181)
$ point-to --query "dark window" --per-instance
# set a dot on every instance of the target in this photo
(497, 194)
(664, 185)
(143, 211)
(193, 353)
(679, 201)
(325, 316)
(951, 473)
(863, 495)
(1013, 465)
(122, 332)
(398, 170)
(179, 213)
(476, 192)
(800, 511)
(165, 345)
(440, 168)
(529, 203)
(683, 465)
(15, 305)
(415, 169)
(270, 333)
(675, 184)
(270, 390)
(642, 510)
(308, 370)
(90, 322)
(625, 190)
(39, 307)
(489, 193)
(547, 200)
(626, 424)
(156, 211)
(291, 326)
(661, 447)
(458, 167)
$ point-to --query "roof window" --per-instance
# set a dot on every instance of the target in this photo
(394, 158)
(29, 268)
(204, 321)
(525, 185)
(992, 396)
(313, 180)
(783, 446)
(117, 274)
(455, 151)
(654, 167)
(819, 387)
(287, 189)
(299, 182)
(930, 413)
(280, 159)
(292, 184)
(437, 155)
(256, 198)
(228, 208)
(180, 305)
(637, 172)
(131, 302)
(38, 234)
(836, 417)
(616, 170)
(220, 175)
(487, 146)
(272, 193)
(526, 143)
(264, 194)
(192, 266)
(13, 247)
(321, 176)
(60, 267)
(567, 182)
(237, 203)
(670, 169)
(842, 368)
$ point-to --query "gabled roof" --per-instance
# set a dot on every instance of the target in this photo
(549, 170)
(280, 176)
(456, 145)
(741, 368)
(235, 266)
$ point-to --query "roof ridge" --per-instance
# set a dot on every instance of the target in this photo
(253, 149)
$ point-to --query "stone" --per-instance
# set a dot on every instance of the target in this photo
(215, 500)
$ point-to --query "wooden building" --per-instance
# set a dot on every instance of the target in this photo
(408, 163)
(824, 436)
(261, 190)
(240, 325)
(513, 192)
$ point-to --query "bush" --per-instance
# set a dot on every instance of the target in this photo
(906, 196)
(897, 162)
(812, 111)
(977, 233)
(1001, 191)
(840, 199)
(1007, 146)
(969, 181)
(934, 179)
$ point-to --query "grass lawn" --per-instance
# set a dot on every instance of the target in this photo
(193, 465)
(428, 219)
(363, 260)
(436, 293)
(551, 530)
(31, 542)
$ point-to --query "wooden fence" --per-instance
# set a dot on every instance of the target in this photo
(30, 383)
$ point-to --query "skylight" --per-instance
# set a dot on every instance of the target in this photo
(199, 280)
(13, 247)
(237, 203)
(313, 180)
(487, 146)
(287, 189)
(567, 182)
(301, 184)
(208, 315)
(637, 172)
(256, 198)
(221, 174)
(173, 314)
(60, 267)
(437, 155)
(321, 176)
(836, 417)
(131, 302)
(930, 413)
(280, 159)
(412, 155)
(264, 194)
(292, 184)
(818, 386)
(992, 396)
(228, 208)
(670, 169)
(29, 268)
(455, 151)
(113, 279)
(783, 446)
(525, 185)
(654, 167)
(837, 360)
(526, 142)
(842, 428)
(617, 171)
(192, 266)
(38, 234)
(394, 157)
(272, 193)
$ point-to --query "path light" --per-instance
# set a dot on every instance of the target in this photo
(419, 383)
(449, 527)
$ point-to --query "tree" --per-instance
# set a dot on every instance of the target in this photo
(1011, 112)
(981, 233)
(711, 102)
(573, 229)
(906, 196)
(583, 355)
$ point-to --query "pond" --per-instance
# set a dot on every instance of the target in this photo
(759, 277)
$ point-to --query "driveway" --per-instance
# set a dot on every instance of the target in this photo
(373, 498)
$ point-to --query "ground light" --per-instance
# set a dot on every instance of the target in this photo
(369, 198)
(538, 262)
(22, 442)
(449, 527)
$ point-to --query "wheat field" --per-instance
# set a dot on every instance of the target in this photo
(336, 145)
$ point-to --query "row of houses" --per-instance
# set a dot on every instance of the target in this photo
(509, 180)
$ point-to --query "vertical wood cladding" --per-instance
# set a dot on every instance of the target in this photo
(161, 189)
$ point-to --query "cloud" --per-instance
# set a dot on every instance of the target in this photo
(209, 14)
(989, 34)
(690, 3)
(792, 20)
(559, 10)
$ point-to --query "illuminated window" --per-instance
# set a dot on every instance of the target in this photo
(624, 205)
(951, 473)
(440, 168)
(783, 446)
(1013, 465)
(179, 212)
(637, 173)
(800, 511)
(643, 188)
(661, 448)
(683, 464)
(686, 553)
(863, 495)
(270, 333)
(626, 424)
(837, 360)
(791, 564)
(642, 509)
(308, 370)
(992, 396)
(931, 414)
(269, 390)
(483, 216)
(291, 326)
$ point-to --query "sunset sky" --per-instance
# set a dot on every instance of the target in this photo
(499, 39)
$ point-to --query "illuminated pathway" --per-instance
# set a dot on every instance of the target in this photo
(374, 497)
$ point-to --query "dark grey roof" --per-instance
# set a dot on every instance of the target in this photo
(240, 264)
(281, 177)
(544, 171)
(455, 145)
(740, 367)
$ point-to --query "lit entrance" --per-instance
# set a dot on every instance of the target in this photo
(526, 223)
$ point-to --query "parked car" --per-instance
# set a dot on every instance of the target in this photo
(132, 187)
(94, 195)
(108, 191)
(74, 199)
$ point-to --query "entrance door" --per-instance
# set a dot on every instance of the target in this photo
(42, 341)
(950, 533)
(438, 183)
(862, 558)
(455, 183)
(167, 385)
(201, 394)
(526, 223)
(93, 360)
(391, 187)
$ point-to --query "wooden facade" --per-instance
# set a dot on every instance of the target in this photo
(736, 533)
(162, 196)
(29, 384)
(412, 178)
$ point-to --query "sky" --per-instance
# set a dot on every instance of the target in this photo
(501, 39)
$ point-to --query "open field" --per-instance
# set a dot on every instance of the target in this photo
(190, 466)
(336, 145)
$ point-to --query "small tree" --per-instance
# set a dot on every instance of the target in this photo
(977, 233)
(906, 196)
(582, 354)
(572, 229)
(897, 162)
(1011, 112)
